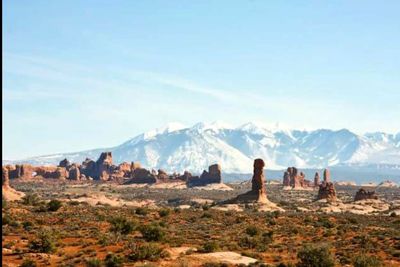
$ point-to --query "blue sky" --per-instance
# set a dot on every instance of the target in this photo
(86, 74)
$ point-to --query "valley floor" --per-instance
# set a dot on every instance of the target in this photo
(147, 226)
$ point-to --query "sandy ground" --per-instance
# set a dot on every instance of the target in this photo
(222, 257)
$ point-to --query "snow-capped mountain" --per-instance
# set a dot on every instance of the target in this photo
(178, 148)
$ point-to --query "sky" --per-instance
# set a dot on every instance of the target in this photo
(87, 74)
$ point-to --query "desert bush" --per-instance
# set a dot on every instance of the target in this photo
(31, 199)
(210, 246)
(313, 256)
(141, 211)
(28, 263)
(113, 260)
(163, 212)
(54, 205)
(93, 262)
(44, 242)
(252, 230)
(122, 225)
(152, 232)
(149, 251)
(27, 225)
(366, 261)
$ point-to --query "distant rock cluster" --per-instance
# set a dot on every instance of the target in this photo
(103, 169)
(294, 179)
(326, 188)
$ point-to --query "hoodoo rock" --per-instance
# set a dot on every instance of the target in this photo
(258, 191)
(364, 194)
(212, 176)
(327, 176)
(327, 191)
(286, 179)
(316, 179)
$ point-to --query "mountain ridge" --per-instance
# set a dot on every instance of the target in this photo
(178, 148)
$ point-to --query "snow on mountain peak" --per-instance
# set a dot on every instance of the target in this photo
(177, 148)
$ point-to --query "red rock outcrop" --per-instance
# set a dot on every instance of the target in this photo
(258, 191)
(212, 176)
(5, 178)
(286, 178)
(64, 163)
(327, 191)
(74, 172)
(142, 176)
(293, 178)
(24, 171)
(51, 172)
(327, 176)
(162, 175)
(316, 179)
(364, 194)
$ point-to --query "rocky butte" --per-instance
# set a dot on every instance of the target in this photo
(364, 194)
(212, 176)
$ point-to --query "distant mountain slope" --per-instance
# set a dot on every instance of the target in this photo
(178, 148)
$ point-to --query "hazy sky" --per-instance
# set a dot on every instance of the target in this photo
(87, 74)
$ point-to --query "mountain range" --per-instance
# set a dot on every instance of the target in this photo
(179, 148)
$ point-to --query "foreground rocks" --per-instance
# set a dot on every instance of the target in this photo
(9, 193)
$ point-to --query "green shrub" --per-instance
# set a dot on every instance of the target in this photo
(164, 212)
(27, 225)
(44, 243)
(210, 247)
(54, 205)
(152, 232)
(366, 261)
(313, 256)
(93, 262)
(31, 199)
(141, 211)
(252, 230)
(149, 251)
(122, 225)
(28, 263)
(113, 260)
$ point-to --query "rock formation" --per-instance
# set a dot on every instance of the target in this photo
(74, 172)
(24, 171)
(64, 163)
(51, 172)
(5, 178)
(103, 166)
(316, 179)
(364, 194)
(286, 178)
(213, 176)
(292, 178)
(142, 176)
(327, 176)
(9, 193)
(327, 191)
(258, 191)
